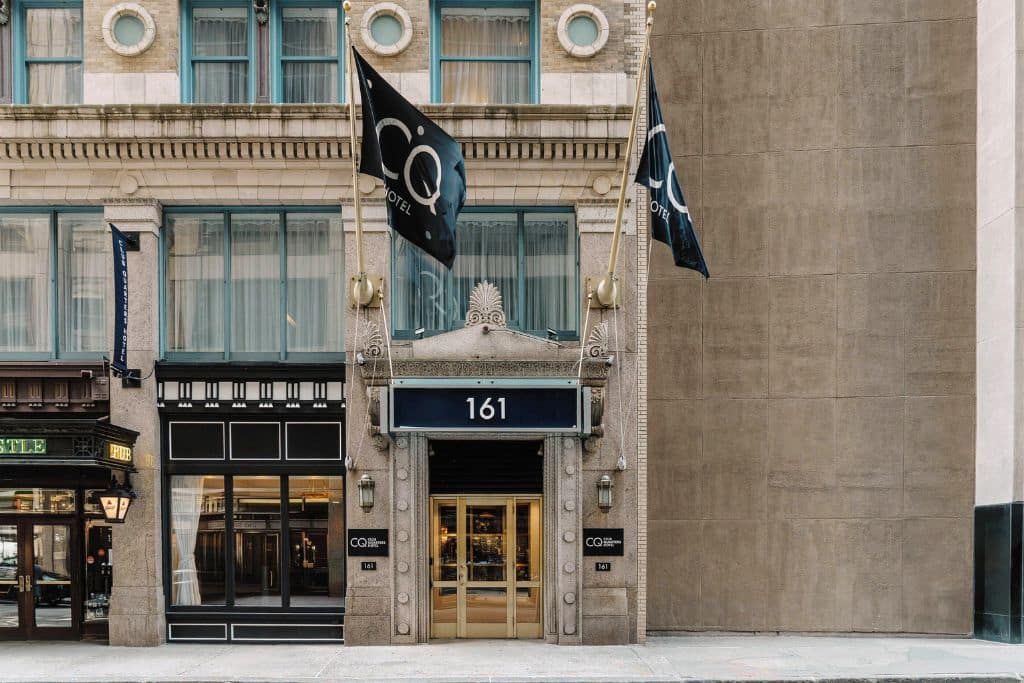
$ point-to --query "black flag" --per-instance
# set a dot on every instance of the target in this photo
(422, 167)
(120, 360)
(670, 219)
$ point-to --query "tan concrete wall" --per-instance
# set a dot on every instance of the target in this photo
(812, 405)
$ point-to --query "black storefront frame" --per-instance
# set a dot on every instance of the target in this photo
(286, 624)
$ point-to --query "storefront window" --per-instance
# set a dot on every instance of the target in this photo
(316, 527)
(257, 516)
(37, 501)
(99, 563)
(197, 540)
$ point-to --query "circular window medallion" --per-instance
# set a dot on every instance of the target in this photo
(128, 29)
(583, 30)
(387, 29)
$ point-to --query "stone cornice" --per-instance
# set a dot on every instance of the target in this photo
(143, 133)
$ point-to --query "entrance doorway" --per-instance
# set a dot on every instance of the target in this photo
(486, 566)
(38, 598)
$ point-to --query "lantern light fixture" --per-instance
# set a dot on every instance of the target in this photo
(366, 485)
(604, 493)
(116, 500)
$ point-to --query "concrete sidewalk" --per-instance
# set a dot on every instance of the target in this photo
(725, 658)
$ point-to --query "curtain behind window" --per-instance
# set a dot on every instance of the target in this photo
(54, 33)
(316, 262)
(488, 248)
(255, 283)
(220, 32)
(195, 273)
(84, 281)
(485, 33)
(309, 32)
(550, 248)
(25, 283)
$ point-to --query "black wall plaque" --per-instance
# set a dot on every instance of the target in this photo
(603, 566)
(368, 565)
(368, 542)
(602, 542)
(489, 408)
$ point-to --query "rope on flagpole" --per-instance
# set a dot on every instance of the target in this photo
(387, 335)
(362, 290)
(607, 290)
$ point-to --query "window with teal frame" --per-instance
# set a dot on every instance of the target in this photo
(531, 255)
(47, 52)
(309, 52)
(252, 284)
(218, 63)
(55, 284)
(484, 52)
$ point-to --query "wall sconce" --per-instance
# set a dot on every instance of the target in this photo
(116, 500)
(366, 485)
(604, 493)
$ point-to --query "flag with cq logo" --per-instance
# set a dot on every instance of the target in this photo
(120, 360)
(670, 218)
(422, 167)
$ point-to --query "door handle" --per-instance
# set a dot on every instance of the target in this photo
(21, 583)
(462, 572)
(28, 583)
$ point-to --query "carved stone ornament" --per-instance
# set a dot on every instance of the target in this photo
(131, 9)
(373, 347)
(485, 306)
(597, 342)
(5, 12)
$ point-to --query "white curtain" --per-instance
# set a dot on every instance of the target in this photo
(220, 32)
(54, 33)
(316, 262)
(85, 282)
(255, 283)
(195, 291)
(485, 33)
(24, 282)
(488, 248)
(549, 269)
(186, 512)
(310, 32)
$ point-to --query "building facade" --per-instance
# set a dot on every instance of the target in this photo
(820, 438)
(295, 478)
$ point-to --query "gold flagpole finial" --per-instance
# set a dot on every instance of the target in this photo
(347, 6)
(651, 6)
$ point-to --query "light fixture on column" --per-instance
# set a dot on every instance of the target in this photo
(604, 493)
(116, 500)
(366, 486)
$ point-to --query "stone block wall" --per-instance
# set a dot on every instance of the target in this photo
(812, 406)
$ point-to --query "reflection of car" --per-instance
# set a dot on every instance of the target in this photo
(45, 593)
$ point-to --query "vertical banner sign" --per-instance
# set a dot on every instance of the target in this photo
(120, 360)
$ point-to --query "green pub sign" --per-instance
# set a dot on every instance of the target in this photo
(10, 446)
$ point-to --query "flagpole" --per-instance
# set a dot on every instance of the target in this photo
(362, 288)
(607, 290)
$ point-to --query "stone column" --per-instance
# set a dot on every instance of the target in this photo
(563, 546)
(137, 603)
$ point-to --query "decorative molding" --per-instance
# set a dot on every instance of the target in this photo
(261, 9)
(597, 16)
(485, 306)
(129, 9)
(248, 395)
(400, 15)
(597, 342)
(373, 344)
(5, 12)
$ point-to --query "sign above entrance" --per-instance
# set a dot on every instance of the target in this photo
(9, 446)
(368, 542)
(487, 405)
(603, 542)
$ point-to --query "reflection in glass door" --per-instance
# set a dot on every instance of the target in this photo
(486, 567)
(10, 577)
(51, 576)
(37, 592)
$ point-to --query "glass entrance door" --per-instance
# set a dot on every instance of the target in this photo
(486, 567)
(37, 591)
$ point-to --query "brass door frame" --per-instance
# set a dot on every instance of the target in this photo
(463, 629)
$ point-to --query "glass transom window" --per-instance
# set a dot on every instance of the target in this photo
(253, 285)
(485, 54)
(55, 284)
(531, 256)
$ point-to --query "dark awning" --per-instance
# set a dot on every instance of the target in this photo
(45, 443)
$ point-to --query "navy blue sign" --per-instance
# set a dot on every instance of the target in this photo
(120, 360)
(486, 408)
(602, 542)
